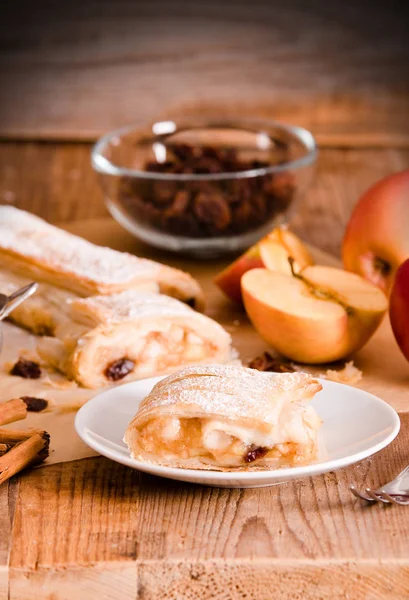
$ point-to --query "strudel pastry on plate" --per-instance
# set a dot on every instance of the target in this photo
(35, 249)
(130, 335)
(222, 417)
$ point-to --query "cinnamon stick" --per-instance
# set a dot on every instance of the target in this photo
(31, 451)
(14, 436)
(13, 410)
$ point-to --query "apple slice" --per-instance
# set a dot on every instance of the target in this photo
(320, 315)
(399, 308)
(271, 252)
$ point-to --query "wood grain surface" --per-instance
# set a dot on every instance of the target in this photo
(93, 529)
(75, 70)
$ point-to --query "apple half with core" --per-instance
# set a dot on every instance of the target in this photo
(399, 308)
(271, 252)
(376, 241)
(319, 315)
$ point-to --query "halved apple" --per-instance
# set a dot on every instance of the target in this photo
(271, 252)
(319, 315)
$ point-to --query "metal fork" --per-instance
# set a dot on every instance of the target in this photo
(396, 491)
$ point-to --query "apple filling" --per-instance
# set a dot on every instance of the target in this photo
(214, 442)
(110, 356)
(157, 351)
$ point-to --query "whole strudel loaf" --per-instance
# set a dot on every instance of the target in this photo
(130, 335)
(35, 249)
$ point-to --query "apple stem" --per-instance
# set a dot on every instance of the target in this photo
(317, 292)
(293, 273)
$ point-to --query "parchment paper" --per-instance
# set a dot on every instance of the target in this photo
(64, 398)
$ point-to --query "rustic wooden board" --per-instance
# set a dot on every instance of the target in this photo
(95, 529)
(77, 70)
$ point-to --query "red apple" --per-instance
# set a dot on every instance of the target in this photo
(399, 308)
(271, 252)
(376, 241)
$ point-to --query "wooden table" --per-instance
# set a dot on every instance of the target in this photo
(93, 529)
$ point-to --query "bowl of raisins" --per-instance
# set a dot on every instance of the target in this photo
(204, 187)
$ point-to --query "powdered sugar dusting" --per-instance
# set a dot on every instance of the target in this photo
(132, 305)
(228, 391)
(25, 234)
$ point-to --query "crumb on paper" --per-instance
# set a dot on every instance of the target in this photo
(234, 359)
(350, 374)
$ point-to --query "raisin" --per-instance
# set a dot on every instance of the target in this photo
(266, 362)
(211, 208)
(208, 165)
(163, 192)
(186, 152)
(179, 205)
(27, 369)
(119, 369)
(168, 166)
(34, 404)
(254, 453)
(280, 187)
(242, 215)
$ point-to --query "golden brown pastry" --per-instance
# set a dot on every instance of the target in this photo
(35, 249)
(130, 335)
(223, 417)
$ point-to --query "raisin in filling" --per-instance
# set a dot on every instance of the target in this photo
(254, 453)
(119, 369)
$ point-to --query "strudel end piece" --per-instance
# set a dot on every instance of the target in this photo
(222, 417)
(35, 249)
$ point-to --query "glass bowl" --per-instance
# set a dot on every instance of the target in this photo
(204, 187)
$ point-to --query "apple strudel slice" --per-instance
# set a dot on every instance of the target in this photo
(104, 339)
(33, 248)
(222, 417)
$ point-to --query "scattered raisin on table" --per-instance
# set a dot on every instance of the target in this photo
(34, 404)
(266, 362)
(27, 369)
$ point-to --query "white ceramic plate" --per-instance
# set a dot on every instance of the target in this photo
(355, 425)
